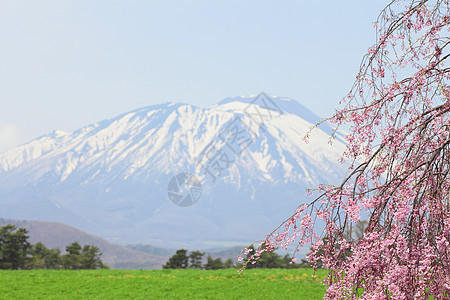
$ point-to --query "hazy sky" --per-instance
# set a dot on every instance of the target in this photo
(69, 63)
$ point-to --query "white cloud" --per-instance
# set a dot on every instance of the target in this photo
(12, 135)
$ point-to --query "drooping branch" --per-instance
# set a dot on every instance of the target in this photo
(398, 111)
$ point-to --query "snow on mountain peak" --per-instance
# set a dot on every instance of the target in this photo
(117, 170)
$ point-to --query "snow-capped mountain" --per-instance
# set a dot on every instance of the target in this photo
(118, 178)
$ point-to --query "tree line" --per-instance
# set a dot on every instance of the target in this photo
(194, 260)
(181, 260)
(17, 253)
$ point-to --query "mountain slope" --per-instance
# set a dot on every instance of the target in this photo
(111, 178)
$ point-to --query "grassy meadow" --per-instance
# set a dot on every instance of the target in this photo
(162, 284)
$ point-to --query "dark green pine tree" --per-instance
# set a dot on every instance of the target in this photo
(178, 261)
(72, 260)
(44, 258)
(213, 264)
(86, 257)
(196, 259)
(90, 258)
(14, 247)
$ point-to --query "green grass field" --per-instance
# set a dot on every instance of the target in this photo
(162, 284)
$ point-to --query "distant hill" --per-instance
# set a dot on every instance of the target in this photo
(58, 235)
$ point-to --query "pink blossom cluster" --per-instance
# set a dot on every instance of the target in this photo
(399, 148)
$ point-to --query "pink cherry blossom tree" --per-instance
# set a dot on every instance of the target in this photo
(399, 151)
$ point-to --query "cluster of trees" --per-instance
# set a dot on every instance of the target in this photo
(183, 260)
(17, 253)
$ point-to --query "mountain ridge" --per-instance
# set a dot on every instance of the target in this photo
(111, 177)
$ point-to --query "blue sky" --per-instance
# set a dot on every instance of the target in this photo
(69, 63)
